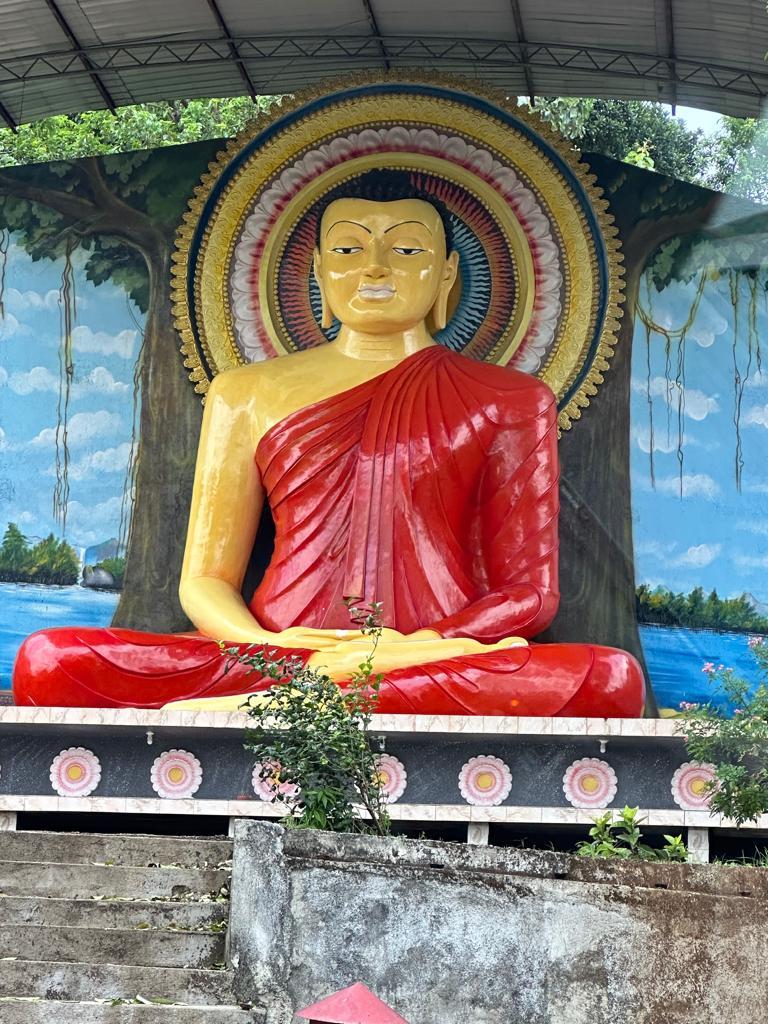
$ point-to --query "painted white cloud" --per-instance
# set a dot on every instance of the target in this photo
(82, 427)
(3, 442)
(10, 326)
(661, 443)
(751, 561)
(121, 344)
(757, 526)
(697, 404)
(3, 376)
(758, 379)
(698, 555)
(22, 301)
(39, 378)
(99, 381)
(757, 416)
(694, 485)
(108, 460)
(91, 524)
(655, 548)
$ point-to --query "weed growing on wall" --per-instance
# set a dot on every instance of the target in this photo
(621, 838)
(737, 746)
(312, 738)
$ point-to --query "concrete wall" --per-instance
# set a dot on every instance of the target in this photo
(450, 934)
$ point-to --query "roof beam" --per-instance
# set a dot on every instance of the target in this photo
(63, 24)
(371, 16)
(670, 23)
(520, 32)
(219, 19)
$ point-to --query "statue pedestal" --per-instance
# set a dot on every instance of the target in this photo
(127, 759)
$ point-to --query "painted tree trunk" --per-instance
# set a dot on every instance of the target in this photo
(171, 413)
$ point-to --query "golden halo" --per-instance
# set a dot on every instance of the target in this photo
(541, 264)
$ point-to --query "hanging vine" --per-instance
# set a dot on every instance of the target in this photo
(5, 241)
(674, 338)
(67, 318)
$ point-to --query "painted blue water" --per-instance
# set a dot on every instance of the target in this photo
(26, 607)
(675, 658)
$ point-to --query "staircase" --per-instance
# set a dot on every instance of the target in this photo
(115, 928)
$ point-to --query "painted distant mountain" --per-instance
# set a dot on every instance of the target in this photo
(107, 549)
(761, 607)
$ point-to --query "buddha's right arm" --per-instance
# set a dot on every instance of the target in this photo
(227, 499)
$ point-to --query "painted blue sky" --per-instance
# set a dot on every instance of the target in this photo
(714, 536)
(106, 342)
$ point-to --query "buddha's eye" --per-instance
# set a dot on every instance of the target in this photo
(407, 250)
(347, 250)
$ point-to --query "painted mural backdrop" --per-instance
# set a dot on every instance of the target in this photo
(63, 526)
(699, 405)
(99, 423)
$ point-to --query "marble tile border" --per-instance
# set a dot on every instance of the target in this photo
(659, 728)
(427, 813)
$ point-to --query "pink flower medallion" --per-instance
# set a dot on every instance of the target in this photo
(267, 785)
(485, 781)
(393, 777)
(589, 782)
(690, 785)
(75, 772)
(176, 774)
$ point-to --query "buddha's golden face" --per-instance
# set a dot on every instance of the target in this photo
(382, 265)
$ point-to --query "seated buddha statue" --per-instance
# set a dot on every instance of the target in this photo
(396, 472)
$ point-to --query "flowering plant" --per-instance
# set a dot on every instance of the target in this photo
(737, 746)
(311, 737)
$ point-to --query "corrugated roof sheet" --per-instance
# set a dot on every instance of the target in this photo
(63, 56)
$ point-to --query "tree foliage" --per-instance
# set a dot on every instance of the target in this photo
(311, 738)
(732, 160)
(696, 610)
(143, 126)
(736, 745)
(48, 561)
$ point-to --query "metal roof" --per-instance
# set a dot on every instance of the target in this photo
(64, 56)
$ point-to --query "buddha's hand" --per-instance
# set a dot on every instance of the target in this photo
(302, 638)
(345, 658)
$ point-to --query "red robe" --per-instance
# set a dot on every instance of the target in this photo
(432, 489)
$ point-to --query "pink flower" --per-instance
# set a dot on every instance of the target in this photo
(708, 667)
(755, 641)
(686, 705)
(738, 711)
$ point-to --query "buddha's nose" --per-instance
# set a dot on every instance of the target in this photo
(376, 271)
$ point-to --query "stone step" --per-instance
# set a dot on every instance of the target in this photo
(55, 980)
(44, 1011)
(136, 946)
(123, 850)
(55, 912)
(89, 880)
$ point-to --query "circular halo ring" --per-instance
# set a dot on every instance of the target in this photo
(574, 304)
(297, 207)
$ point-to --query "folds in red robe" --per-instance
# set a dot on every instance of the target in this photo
(432, 489)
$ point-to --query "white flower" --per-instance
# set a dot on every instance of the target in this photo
(485, 781)
(589, 782)
(176, 774)
(75, 772)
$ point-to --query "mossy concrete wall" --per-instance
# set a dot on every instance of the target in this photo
(451, 934)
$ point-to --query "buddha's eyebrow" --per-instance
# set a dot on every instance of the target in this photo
(402, 222)
(350, 222)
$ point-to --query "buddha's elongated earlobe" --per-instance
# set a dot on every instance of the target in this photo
(326, 316)
(440, 308)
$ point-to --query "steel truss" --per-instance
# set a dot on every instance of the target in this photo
(285, 55)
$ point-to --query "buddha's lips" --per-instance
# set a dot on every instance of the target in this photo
(376, 291)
